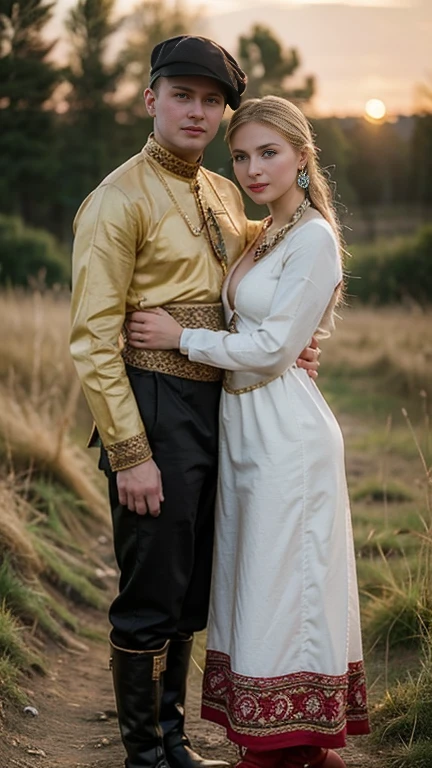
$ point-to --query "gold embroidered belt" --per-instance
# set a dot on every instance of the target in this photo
(170, 361)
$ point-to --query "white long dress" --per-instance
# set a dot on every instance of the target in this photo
(284, 662)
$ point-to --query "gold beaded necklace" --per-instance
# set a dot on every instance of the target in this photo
(196, 231)
(209, 220)
(267, 245)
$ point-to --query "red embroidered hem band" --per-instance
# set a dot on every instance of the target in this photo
(284, 711)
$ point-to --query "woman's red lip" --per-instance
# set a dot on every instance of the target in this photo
(256, 187)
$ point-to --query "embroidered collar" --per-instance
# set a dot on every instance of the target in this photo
(169, 161)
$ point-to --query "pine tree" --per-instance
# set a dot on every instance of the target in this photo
(92, 79)
(28, 80)
(269, 66)
(151, 22)
(88, 126)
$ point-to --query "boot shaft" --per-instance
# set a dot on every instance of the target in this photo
(174, 685)
(178, 750)
(137, 687)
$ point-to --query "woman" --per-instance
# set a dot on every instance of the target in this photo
(284, 671)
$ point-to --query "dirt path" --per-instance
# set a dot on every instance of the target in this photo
(77, 728)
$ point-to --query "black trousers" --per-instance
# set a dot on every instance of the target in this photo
(165, 562)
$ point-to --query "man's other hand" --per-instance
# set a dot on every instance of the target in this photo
(309, 359)
(140, 488)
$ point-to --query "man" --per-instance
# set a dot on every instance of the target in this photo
(159, 231)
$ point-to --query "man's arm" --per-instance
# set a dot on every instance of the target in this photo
(107, 230)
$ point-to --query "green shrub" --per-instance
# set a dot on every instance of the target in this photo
(393, 272)
(30, 257)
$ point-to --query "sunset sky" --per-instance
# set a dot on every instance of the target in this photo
(358, 49)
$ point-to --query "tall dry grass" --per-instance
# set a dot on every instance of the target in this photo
(51, 504)
(40, 400)
(392, 345)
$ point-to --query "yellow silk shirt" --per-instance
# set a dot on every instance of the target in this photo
(134, 248)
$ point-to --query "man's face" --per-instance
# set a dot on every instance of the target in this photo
(187, 112)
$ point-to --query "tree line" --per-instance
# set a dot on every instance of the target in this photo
(64, 127)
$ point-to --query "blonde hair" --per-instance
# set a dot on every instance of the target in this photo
(285, 118)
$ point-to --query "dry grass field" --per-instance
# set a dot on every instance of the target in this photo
(376, 372)
(393, 346)
(50, 499)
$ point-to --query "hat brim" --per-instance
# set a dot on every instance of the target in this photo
(181, 68)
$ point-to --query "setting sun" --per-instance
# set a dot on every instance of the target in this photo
(375, 109)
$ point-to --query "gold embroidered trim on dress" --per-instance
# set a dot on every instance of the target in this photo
(170, 162)
(172, 362)
(242, 390)
(128, 453)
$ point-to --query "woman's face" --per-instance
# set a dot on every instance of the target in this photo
(265, 163)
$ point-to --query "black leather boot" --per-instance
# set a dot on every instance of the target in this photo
(178, 751)
(136, 677)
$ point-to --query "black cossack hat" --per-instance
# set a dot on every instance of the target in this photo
(188, 55)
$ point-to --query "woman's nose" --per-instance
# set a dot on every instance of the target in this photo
(254, 167)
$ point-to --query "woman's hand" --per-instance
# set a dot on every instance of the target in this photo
(153, 329)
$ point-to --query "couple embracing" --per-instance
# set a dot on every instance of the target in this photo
(215, 439)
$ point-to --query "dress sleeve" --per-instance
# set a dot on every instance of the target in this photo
(107, 230)
(311, 271)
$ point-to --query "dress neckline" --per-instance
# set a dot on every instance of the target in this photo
(231, 272)
(237, 263)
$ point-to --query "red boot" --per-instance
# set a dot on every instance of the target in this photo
(312, 757)
(269, 759)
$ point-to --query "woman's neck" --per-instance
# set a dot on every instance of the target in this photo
(283, 209)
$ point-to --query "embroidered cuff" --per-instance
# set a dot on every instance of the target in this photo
(129, 453)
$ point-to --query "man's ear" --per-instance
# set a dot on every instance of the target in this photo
(150, 101)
